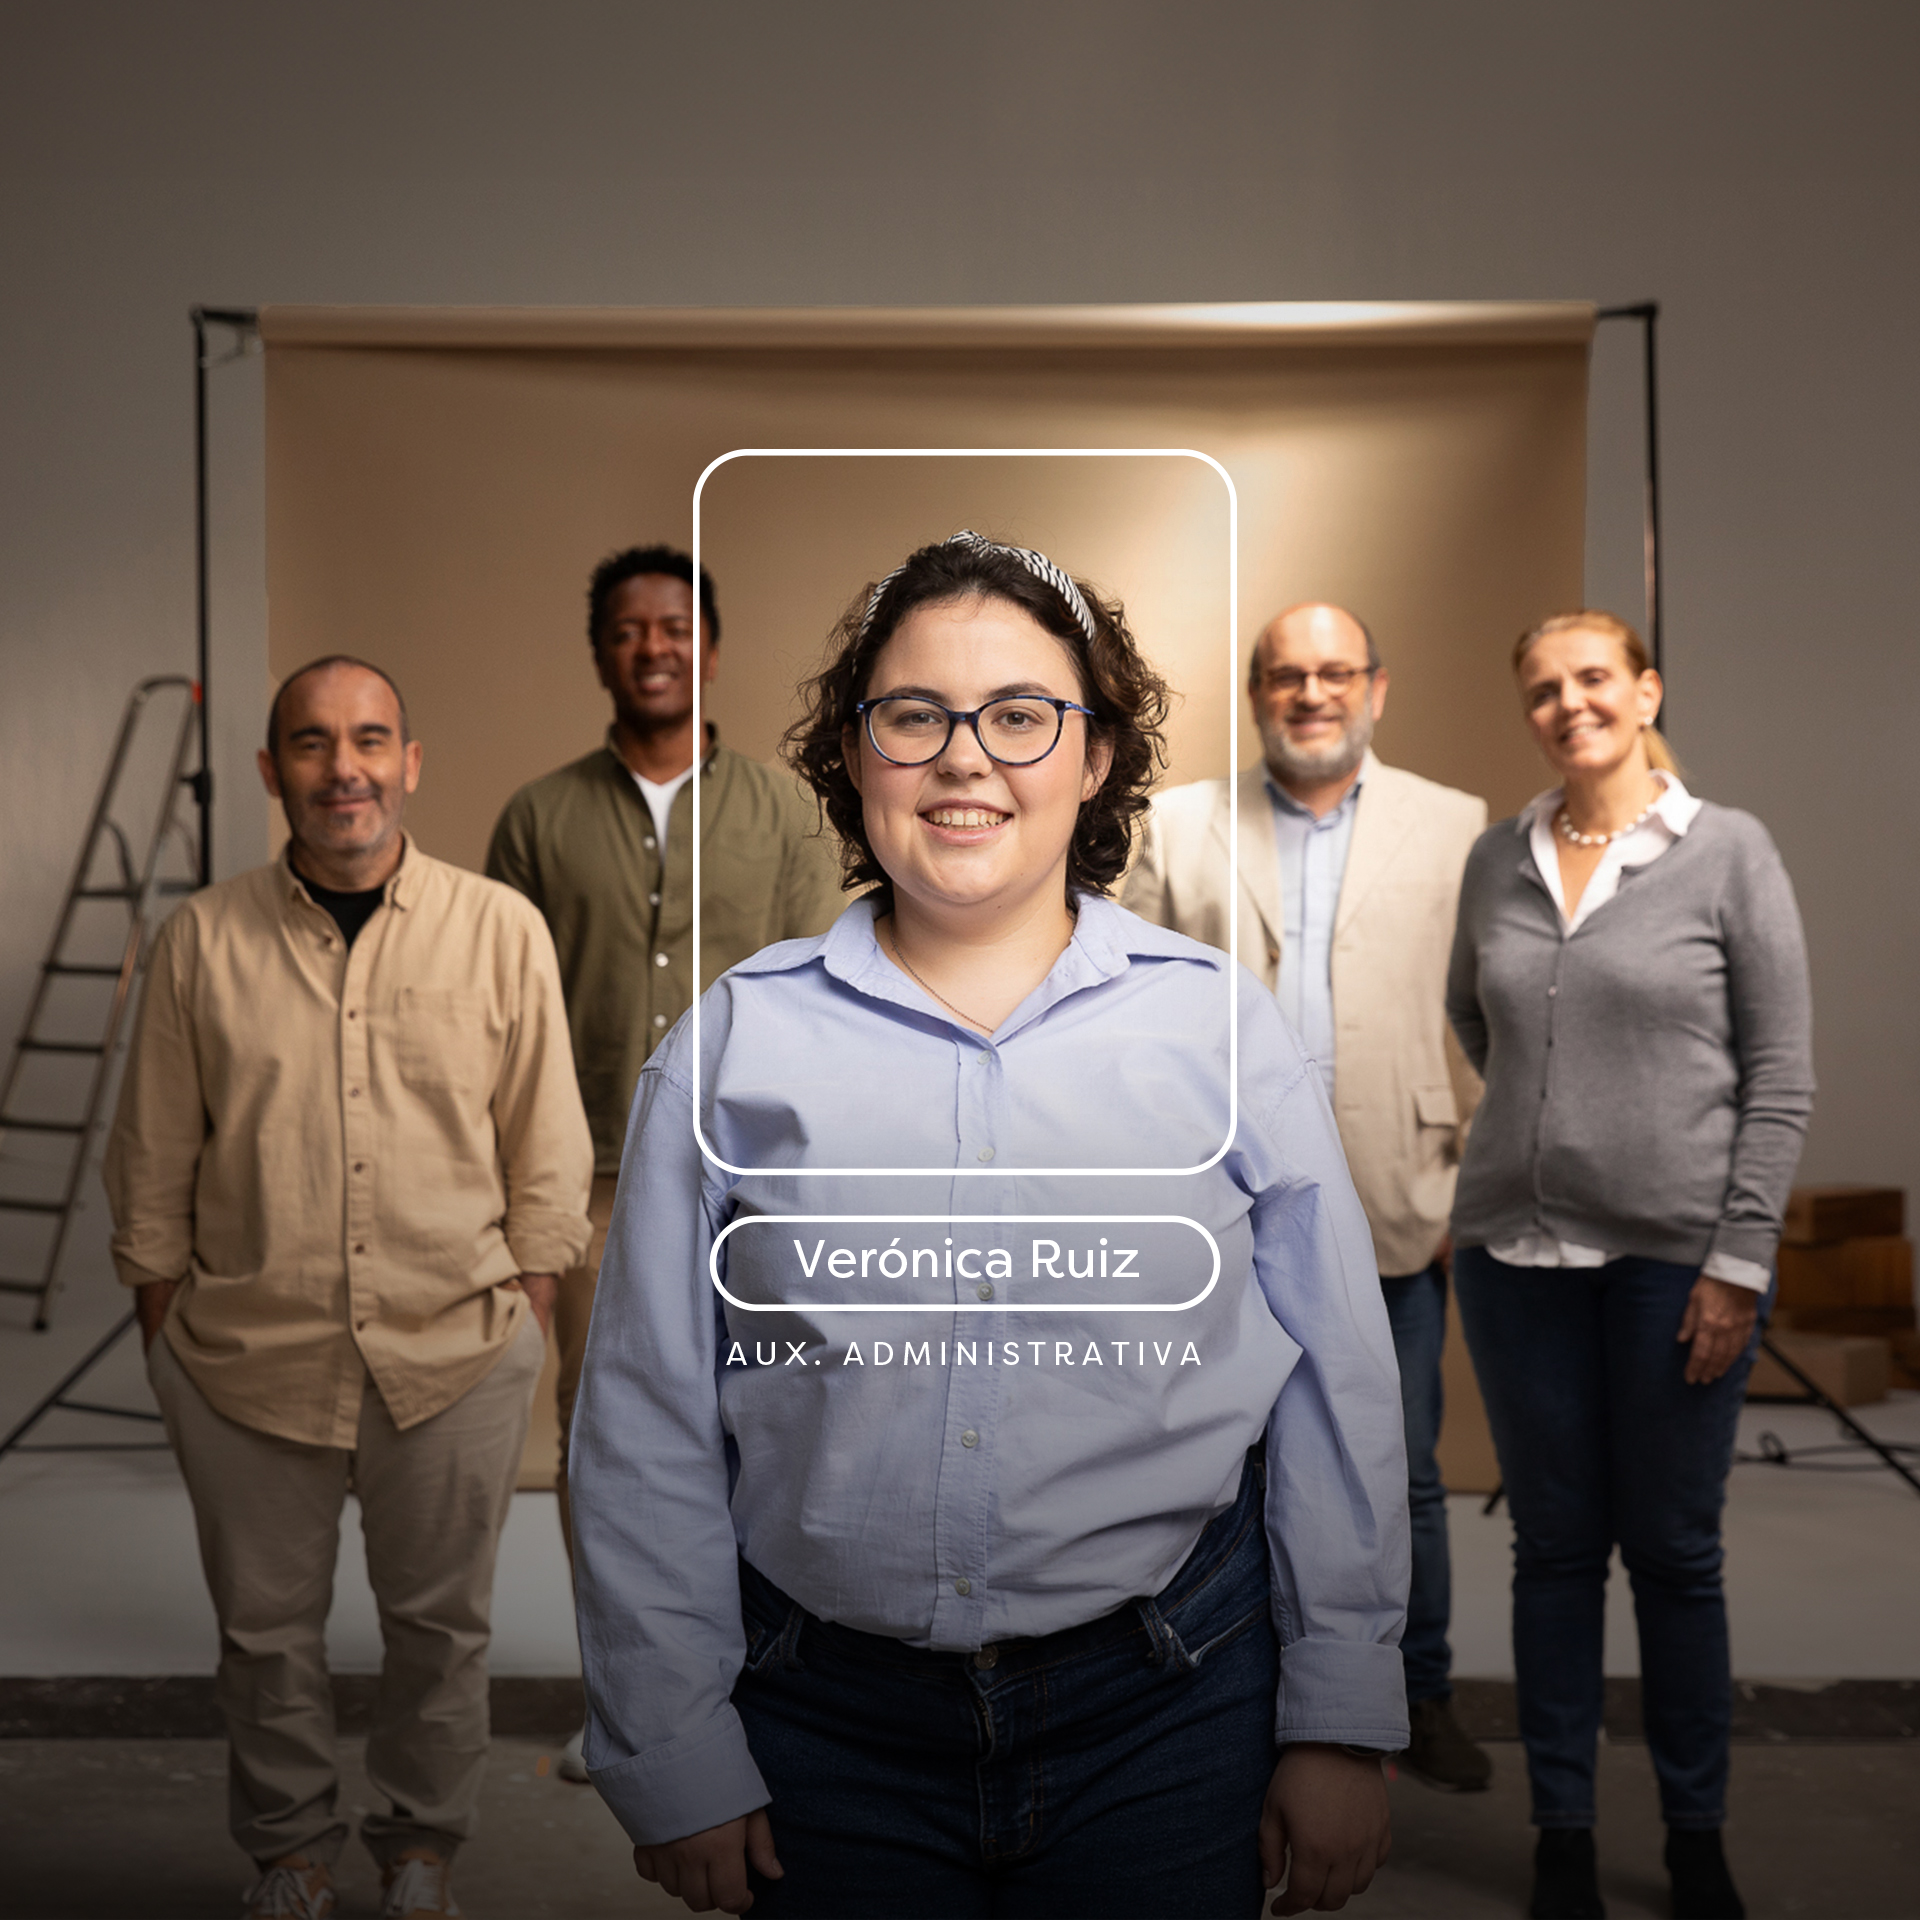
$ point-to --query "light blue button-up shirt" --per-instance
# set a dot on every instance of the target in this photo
(1313, 862)
(1004, 1446)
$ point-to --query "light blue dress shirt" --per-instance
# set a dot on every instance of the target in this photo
(1002, 1448)
(1313, 862)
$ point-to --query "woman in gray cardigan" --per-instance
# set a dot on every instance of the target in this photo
(1630, 977)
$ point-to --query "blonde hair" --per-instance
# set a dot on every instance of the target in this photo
(1632, 648)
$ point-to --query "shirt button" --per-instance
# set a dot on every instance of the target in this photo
(985, 1289)
(353, 1013)
(360, 1246)
(963, 1586)
(969, 1438)
(648, 843)
(653, 899)
(987, 1658)
(981, 1059)
(659, 1019)
(985, 1153)
(353, 1093)
(359, 1166)
(659, 959)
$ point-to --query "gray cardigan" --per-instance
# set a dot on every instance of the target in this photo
(1648, 1077)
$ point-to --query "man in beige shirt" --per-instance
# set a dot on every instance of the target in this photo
(348, 1162)
(1349, 878)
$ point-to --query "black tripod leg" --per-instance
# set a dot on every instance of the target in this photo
(1819, 1395)
(52, 1400)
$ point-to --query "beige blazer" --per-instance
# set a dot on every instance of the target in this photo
(1403, 1091)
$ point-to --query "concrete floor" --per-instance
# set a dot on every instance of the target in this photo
(100, 1576)
(97, 1830)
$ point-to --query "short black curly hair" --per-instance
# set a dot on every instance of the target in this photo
(629, 564)
(1128, 698)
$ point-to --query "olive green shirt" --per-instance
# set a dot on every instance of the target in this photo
(580, 844)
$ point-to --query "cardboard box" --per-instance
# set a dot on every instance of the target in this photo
(1875, 1272)
(1849, 1369)
(1815, 1214)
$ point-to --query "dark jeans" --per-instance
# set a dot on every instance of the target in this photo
(1417, 1312)
(1114, 1768)
(1601, 1441)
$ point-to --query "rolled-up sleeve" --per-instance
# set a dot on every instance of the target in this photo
(655, 1558)
(546, 1150)
(1336, 1445)
(160, 1126)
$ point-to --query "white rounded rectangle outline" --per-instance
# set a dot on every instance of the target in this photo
(712, 467)
(953, 1219)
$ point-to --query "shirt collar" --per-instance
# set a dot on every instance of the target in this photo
(1106, 940)
(1676, 809)
(706, 759)
(402, 887)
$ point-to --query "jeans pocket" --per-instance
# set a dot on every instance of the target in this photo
(1170, 1647)
(772, 1624)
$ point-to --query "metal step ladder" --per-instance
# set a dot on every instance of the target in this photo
(135, 882)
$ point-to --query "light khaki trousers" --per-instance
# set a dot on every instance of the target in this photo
(572, 1313)
(432, 1502)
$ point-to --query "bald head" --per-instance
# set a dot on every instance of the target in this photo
(1315, 627)
(1317, 687)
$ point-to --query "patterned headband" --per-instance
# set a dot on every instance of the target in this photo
(1036, 564)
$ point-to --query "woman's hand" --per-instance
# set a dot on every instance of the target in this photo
(1719, 1322)
(709, 1869)
(1328, 1808)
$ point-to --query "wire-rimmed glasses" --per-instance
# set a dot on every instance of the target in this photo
(910, 730)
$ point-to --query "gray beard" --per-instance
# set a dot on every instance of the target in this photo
(1334, 762)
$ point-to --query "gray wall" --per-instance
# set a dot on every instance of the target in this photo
(1751, 165)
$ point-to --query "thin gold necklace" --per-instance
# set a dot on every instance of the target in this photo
(893, 941)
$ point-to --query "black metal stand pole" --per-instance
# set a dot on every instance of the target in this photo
(57, 1401)
(1647, 312)
(241, 320)
(1819, 1395)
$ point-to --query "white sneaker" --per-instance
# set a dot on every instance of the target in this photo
(573, 1764)
(302, 1891)
(417, 1884)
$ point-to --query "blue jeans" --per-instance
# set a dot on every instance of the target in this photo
(1601, 1440)
(1417, 1312)
(1117, 1767)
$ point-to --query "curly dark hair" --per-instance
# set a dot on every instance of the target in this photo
(1129, 702)
(629, 564)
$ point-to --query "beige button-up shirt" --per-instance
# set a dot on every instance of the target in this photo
(343, 1154)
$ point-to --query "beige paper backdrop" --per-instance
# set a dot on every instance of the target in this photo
(439, 486)
(439, 508)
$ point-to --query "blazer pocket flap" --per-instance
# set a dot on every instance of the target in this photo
(1436, 1106)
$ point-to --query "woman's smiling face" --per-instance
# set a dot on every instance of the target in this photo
(963, 831)
(1583, 701)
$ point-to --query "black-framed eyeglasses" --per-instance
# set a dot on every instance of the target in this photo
(909, 730)
(1292, 680)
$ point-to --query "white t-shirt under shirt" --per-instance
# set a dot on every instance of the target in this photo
(1673, 813)
(658, 794)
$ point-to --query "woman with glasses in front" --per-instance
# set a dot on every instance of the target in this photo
(1630, 977)
(991, 1494)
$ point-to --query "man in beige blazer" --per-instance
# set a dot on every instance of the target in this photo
(1349, 875)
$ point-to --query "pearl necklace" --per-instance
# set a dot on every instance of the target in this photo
(1564, 821)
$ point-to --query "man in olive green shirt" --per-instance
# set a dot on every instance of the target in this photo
(604, 848)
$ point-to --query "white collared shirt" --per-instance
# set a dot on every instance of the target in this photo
(1673, 813)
